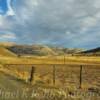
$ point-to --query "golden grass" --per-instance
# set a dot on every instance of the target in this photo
(6, 52)
(67, 76)
(74, 60)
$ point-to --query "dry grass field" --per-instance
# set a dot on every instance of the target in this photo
(15, 72)
(73, 60)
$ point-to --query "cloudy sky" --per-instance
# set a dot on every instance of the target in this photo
(69, 23)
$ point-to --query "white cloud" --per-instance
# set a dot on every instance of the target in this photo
(56, 20)
(88, 23)
(8, 36)
(96, 3)
(1, 21)
(35, 2)
(10, 11)
(68, 33)
(6, 23)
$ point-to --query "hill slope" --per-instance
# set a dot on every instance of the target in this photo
(5, 52)
(41, 50)
(95, 51)
(6, 44)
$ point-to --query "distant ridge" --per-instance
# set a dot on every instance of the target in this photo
(13, 49)
(41, 50)
(95, 51)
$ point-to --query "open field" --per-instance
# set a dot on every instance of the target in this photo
(78, 60)
(15, 74)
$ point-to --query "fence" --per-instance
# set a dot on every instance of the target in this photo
(58, 74)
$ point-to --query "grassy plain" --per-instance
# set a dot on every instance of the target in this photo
(15, 77)
(78, 60)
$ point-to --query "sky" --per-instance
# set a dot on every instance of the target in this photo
(67, 23)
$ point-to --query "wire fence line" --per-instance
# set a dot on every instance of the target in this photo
(58, 74)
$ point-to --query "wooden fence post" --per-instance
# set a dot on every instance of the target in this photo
(80, 85)
(64, 59)
(32, 74)
(54, 74)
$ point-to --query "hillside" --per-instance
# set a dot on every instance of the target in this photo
(41, 50)
(95, 51)
(6, 44)
(5, 52)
